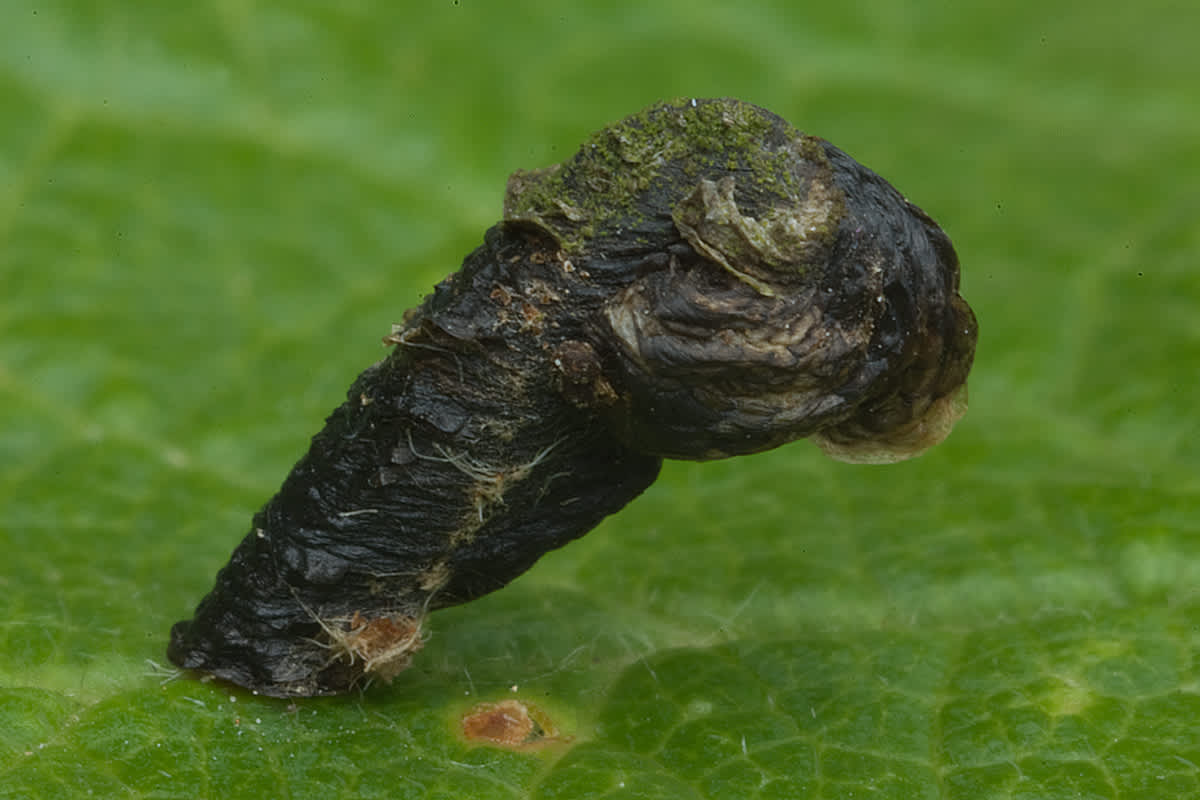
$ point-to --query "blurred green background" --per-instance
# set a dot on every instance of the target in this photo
(210, 213)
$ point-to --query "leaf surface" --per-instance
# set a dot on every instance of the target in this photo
(211, 213)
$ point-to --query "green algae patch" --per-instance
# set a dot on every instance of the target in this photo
(613, 184)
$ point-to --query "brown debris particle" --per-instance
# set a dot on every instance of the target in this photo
(501, 295)
(531, 318)
(382, 646)
(542, 293)
(582, 380)
(510, 723)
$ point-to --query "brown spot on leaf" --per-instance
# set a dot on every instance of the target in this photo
(510, 723)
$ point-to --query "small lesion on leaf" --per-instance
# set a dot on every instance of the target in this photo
(511, 724)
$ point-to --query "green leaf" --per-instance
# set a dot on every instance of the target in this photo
(211, 213)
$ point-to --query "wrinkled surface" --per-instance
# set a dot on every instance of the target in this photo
(700, 281)
(451, 467)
